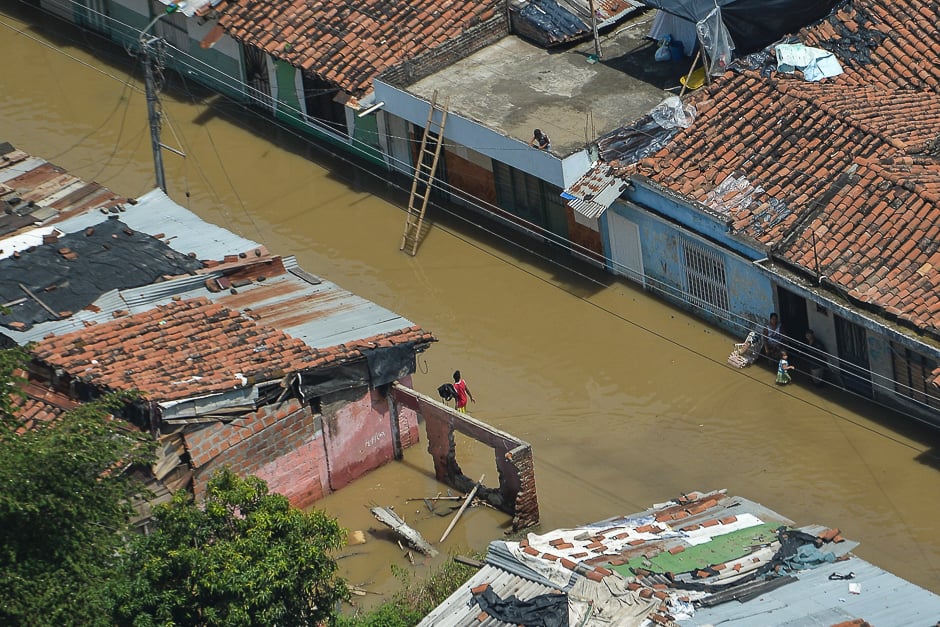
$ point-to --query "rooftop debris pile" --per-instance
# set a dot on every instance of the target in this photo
(687, 557)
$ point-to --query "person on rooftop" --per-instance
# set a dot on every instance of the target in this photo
(540, 140)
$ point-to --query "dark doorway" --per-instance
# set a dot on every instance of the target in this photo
(793, 317)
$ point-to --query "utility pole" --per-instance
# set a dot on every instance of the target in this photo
(597, 39)
(150, 87)
(153, 114)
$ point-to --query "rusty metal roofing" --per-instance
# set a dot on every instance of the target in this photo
(34, 191)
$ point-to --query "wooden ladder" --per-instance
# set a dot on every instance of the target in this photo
(425, 168)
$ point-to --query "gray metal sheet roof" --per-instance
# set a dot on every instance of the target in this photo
(183, 230)
(885, 601)
(318, 312)
(459, 610)
(595, 192)
(322, 315)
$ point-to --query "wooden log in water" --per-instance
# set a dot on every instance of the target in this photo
(387, 517)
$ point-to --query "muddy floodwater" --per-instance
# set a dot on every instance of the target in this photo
(626, 401)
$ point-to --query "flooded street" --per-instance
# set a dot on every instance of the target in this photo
(625, 401)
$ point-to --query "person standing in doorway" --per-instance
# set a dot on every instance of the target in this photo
(773, 336)
(463, 392)
(817, 357)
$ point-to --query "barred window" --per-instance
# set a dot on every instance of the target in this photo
(706, 286)
(911, 376)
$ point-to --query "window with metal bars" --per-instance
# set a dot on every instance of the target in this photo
(706, 286)
(911, 376)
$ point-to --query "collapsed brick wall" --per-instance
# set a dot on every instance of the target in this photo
(516, 494)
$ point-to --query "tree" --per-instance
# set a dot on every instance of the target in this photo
(63, 507)
(245, 557)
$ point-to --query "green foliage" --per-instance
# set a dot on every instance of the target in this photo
(63, 509)
(245, 558)
(416, 598)
(12, 361)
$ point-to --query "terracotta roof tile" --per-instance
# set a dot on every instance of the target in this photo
(365, 38)
(39, 405)
(840, 178)
(193, 348)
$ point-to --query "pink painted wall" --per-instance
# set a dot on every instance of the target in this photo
(358, 437)
(408, 421)
(282, 445)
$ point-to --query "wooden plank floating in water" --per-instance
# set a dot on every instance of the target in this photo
(387, 517)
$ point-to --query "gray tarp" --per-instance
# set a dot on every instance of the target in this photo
(753, 24)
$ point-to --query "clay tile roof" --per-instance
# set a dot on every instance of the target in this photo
(193, 348)
(840, 178)
(176, 351)
(39, 405)
(349, 43)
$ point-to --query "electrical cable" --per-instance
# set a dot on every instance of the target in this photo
(726, 316)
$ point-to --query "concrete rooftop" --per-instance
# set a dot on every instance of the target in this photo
(514, 87)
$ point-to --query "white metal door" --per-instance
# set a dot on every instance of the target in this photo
(625, 252)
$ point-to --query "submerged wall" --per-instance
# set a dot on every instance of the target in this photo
(302, 454)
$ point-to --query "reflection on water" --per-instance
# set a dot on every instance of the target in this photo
(625, 401)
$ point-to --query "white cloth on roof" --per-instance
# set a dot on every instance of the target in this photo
(815, 63)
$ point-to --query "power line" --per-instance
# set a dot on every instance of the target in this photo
(726, 316)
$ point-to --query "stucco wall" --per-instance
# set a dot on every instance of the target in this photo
(302, 455)
(358, 432)
(750, 293)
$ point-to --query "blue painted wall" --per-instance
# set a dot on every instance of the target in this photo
(750, 289)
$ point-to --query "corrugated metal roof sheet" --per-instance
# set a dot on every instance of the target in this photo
(182, 230)
(595, 192)
(885, 600)
(459, 610)
(322, 315)
(809, 597)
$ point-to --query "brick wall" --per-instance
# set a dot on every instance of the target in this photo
(282, 444)
(516, 494)
(449, 52)
(301, 455)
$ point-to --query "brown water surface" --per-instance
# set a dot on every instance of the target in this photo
(626, 401)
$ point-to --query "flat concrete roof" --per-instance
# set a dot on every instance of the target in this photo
(515, 87)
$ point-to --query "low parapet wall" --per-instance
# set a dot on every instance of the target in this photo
(516, 494)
